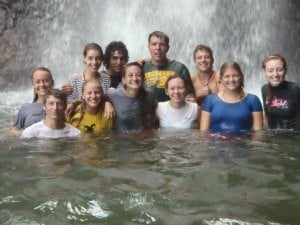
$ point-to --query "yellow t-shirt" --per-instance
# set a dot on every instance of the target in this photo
(91, 123)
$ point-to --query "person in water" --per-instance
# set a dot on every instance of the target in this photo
(30, 113)
(115, 57)
(135, 106)
(281, 98)
(53, 126)
(231, 110)
(206, 80)
(89, 116)
(92, 58)
(159, 67)
(177, 112)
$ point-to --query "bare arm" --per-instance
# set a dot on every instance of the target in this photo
(205, 121)
(109, 110)
(257, 121)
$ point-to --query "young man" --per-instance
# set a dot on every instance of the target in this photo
(53, 126)
(205, 80)
(159, 68)
(115, 57)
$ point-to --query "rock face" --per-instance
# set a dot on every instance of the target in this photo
(10, 12)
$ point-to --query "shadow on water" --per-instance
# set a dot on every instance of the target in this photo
(169, 177)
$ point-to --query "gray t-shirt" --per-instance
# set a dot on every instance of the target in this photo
(29, 114)
(127, 109)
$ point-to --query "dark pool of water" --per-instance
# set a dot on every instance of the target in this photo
(167, 178)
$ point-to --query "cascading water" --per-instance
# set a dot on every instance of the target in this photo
(53, 33)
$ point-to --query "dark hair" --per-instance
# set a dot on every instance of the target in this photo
(160, 35)
(269, 93)
(204, 48)
(147, 109)
(236, 67)
(92, 46)
(41, 68)
(111, 48)
(57, 94)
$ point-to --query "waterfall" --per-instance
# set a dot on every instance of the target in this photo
(53, 33)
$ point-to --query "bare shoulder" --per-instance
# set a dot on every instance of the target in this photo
(193, 77)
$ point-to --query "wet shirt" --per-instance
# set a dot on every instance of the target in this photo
(89, 123)
(283, 111)
(156, 77)
(40, 130)
(231, 117)
(29, 114)
(127, 108)
(183, 118)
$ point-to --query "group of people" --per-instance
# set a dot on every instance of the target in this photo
(157, 93)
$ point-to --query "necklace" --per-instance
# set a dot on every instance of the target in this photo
(208, 80)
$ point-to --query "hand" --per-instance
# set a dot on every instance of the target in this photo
(205, 91)
(70, 110)
(67, 89)
(109, 111)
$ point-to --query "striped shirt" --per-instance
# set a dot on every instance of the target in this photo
(77, 82)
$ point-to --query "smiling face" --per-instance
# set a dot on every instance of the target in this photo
(203, 61)
(54, 108)
(176, 90)
(231, 79)
(42, 83)
(158, 49)
(133, 78)
(93, 60)
(92, 94)
(274, 70)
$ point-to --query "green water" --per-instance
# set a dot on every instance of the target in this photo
(167, 178)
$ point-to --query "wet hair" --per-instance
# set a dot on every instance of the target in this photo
(204, 48)
(59, 94)
(235, 66)
(160, 35)
(81, 108)
(92, 46)
(174, 76)
(41, 68)
(111, 48)
(269, 93)
(148, 113)
(101, 105)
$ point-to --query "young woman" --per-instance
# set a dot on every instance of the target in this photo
(231, 110)
(92, 58)
(89, 116)
(177, 112)
(53, 126)
(134, 105)
(281, 98)
(30, 113)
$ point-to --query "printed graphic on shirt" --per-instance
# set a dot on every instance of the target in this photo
(279, 103)
(157, 78)
(89, 129)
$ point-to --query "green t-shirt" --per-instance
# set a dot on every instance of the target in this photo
(156, 76)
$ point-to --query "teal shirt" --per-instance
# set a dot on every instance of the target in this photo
(156, 76)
